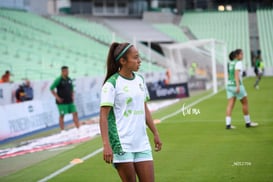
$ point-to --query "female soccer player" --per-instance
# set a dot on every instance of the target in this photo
(124, 115)
(236, 89)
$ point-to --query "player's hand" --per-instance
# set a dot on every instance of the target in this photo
(158, 143)
(59, 100)
(108, 155)
(237, 90)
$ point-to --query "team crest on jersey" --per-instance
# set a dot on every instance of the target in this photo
(105, 90)
(127, 113)
(141, 87)
(126, 89)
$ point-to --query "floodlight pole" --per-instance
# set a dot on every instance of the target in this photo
(213, 62)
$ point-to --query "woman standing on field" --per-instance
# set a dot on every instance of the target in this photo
(124, 115)
(236, 89)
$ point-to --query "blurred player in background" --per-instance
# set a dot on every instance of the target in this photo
(236, 90)
(258, 68)
(65, 97)
(124, 115)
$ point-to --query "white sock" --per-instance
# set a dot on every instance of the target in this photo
(228, 120)
(247, 118)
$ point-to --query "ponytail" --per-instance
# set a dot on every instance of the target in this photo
(231, 55)
(116, 51)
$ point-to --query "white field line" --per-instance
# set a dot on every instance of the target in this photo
(70, 165)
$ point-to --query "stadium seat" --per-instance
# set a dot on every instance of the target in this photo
(265, 27)
(172, 31)
(38, 46)
(93, 29)
(230, 27)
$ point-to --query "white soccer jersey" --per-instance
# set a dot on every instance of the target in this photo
(239, 66)
(126, 120)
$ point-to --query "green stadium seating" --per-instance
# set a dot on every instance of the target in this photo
(230, 27)
(265, 27)
(36, 47)
(93, 29)
(172, 31)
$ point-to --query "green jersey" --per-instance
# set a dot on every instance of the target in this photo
(232, 67)
(257, 63)
(64, 88)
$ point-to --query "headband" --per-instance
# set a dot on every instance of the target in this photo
(123, 51)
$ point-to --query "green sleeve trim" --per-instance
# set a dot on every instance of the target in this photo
(147, 99)
(55, 83)
(107, 104)
(113, 79)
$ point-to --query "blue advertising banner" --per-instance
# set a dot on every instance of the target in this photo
(159, 90)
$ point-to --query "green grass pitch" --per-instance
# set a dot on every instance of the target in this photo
(196, 147)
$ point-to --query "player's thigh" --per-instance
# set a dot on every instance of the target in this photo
(145, 171)
(126, 171)
(244, 101)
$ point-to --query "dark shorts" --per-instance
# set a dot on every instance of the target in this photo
(256, 71)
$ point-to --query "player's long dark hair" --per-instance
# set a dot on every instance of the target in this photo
(231, 55)
(237, 52)
(113, 66)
